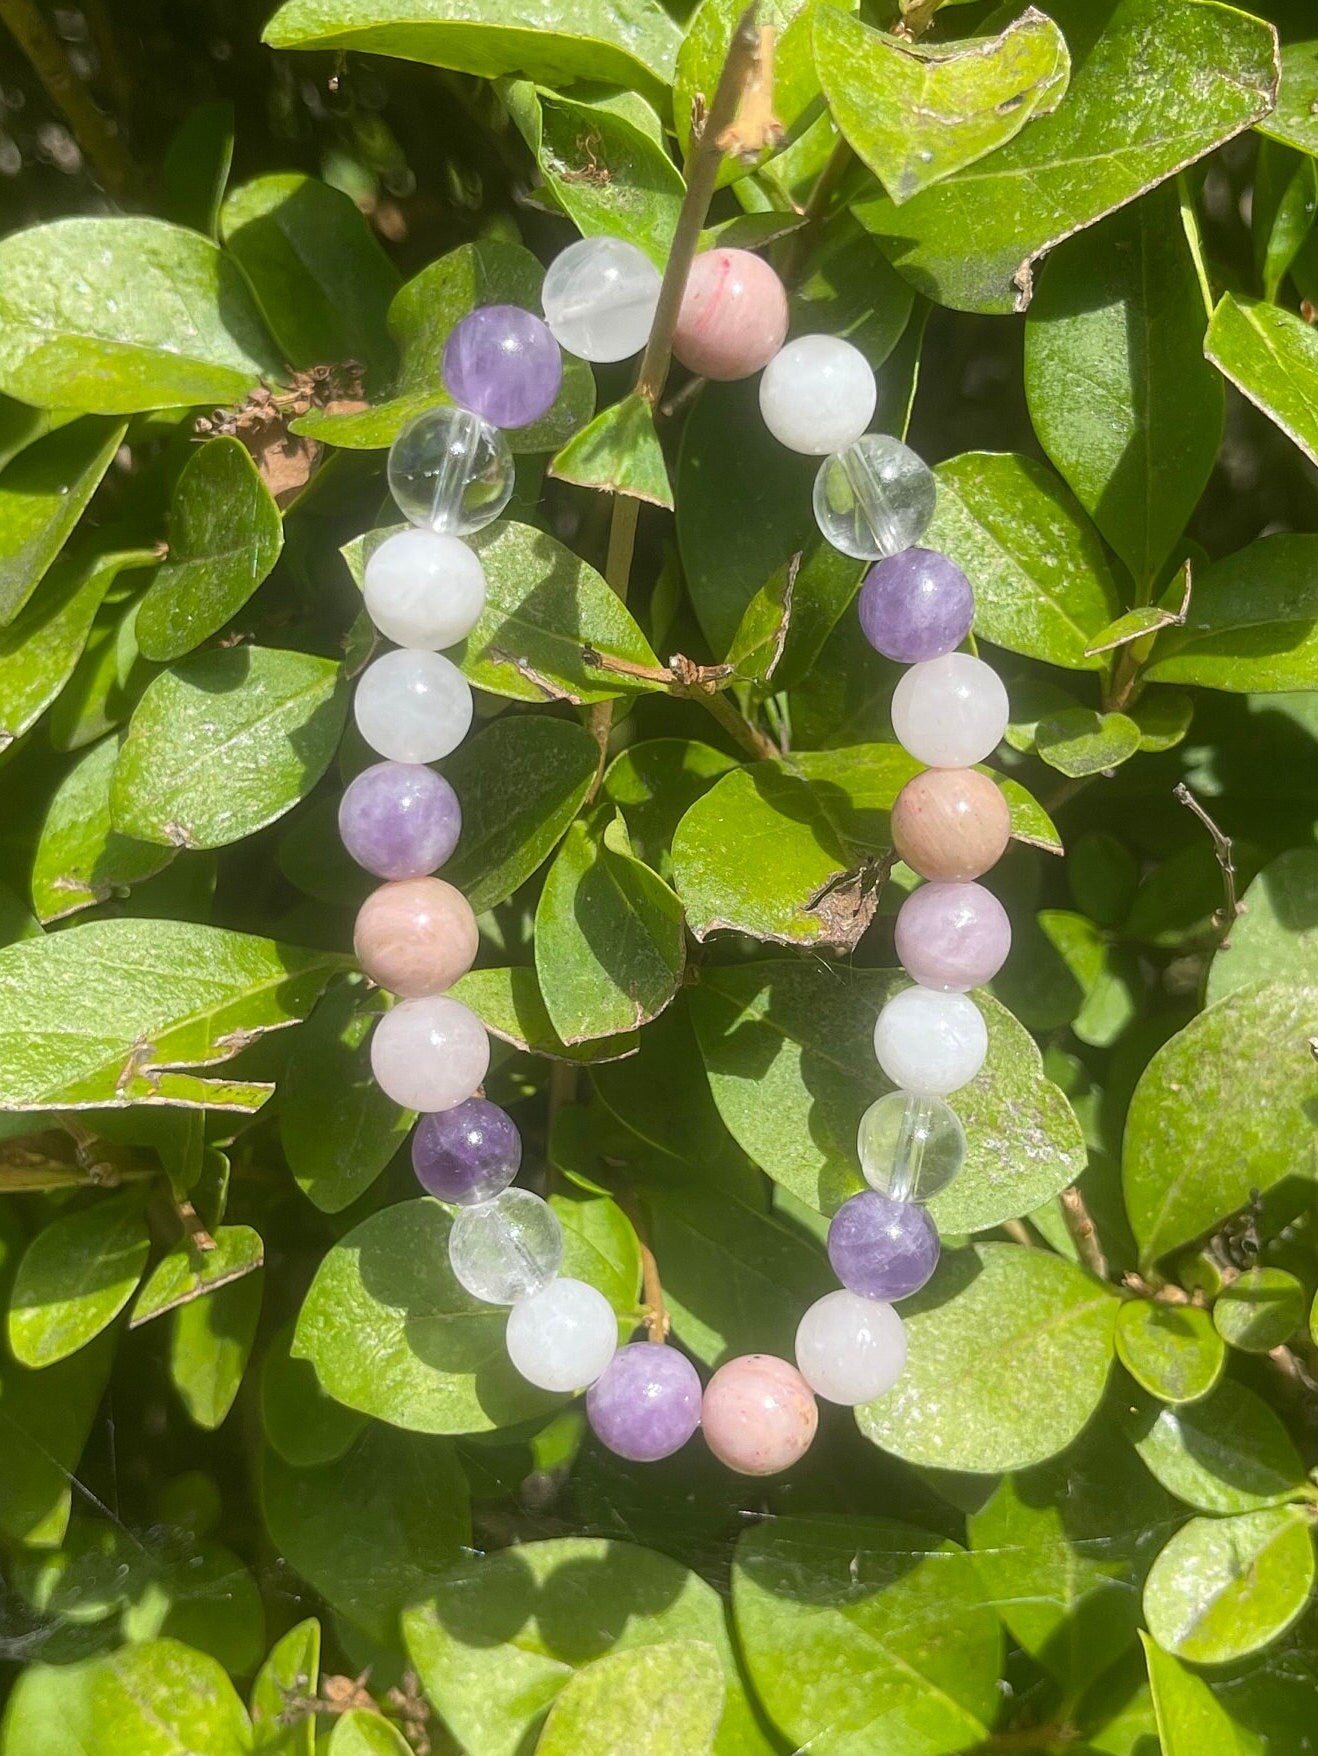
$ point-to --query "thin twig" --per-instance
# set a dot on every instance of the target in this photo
(1232, 908)
(1017, 1230)
(657, 1320)
(1084, 1233)
(753, 741)
(101, 147)
(818, 211)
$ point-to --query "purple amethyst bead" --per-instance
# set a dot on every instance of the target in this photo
(467, 1154)
(504, 363)
(647, 1404)
(881, 1248)
(400, 819)
(916, 605)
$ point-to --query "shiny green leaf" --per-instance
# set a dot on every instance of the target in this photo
(1224, 1587)
(1226, 1453)
(210, 1344)
(1271, 355)
(510, 1005)
(1190, 1718)
(1173, 1351)
(80, 858)
(619, 453)
(1252, 623)
(666, 1699)
(291, 1673)
(186, 1272)
(1260, 1310)
(1078, 741)
(1278, 931)
(43, 494)
(75, 1277)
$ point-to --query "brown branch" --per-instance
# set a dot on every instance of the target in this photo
(752, 740)
(1084, 1233)
(657, 1320)
(101, 147)
(683, 677)
(198, 1236)
(1018, 1231)
(1232, 908)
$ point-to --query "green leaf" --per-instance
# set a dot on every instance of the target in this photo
(290, 1673)
(47, 1418)
(43, 494)
(225, 743)
(80, 858)
(187, 1272)
(224, 537)
(1260, 1310)
(1295, 119)
(170, 995)
(849, 288)
(1252, 624)
(303, 1424)
(654, 783)
(1278, 931)
(1190, 1719)
(1271, 356)
(359, 1733)
(509, 1004)
(1077, 741)
(619, 453)
(196, 167)
(1224, 1587)
(75, 1277)
(106, 682)
(1173, 1351)
(1223, 1108)
(1119, 392)
(761, 635)
(1285, 205)
(210, 1344)
(915, 114)
(112, 315)
(665, 1699)
(1155, 85)
(863, 1633)
(1227, 1453)
(996, 1322)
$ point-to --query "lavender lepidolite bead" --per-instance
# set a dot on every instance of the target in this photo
(504, 363)
(467, 1154)
(952, 936)
(881, 1248)
(400, 819)
(646, 1404)
(916, 605)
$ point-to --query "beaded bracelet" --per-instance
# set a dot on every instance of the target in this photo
(451, 473)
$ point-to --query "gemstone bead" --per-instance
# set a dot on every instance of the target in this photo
(563, 1337)
(915, 605)
(466, 1154)
(759, 1415)
(881, 1248)
(874, 497)
(399, 819)
(429, 1054)
(911, 1145)
(646, 1403)
(850, 1349)
(424, 588)
(930, 1042)
(506, 1249)
(951, 824)
(599, 298)
(413, 706)
(450, 471)
(818, 394)
(952, 936)
(733, 318)
(950, 712)
(416, 936)
(504, 363)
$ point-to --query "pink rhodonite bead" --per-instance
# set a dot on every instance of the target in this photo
(416, 936)
(758, 1415)
(733, 318)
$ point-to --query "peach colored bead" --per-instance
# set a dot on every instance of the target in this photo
(758, 1415)
(416, 937)
(733, 318)
(951, 824)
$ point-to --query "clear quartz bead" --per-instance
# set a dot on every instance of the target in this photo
(911, 1145)
(506, 1249)
(875, 497)
(450, 471)
(599, 298)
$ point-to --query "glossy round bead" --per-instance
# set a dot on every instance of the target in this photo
(951, 824)
(733, 318)
(429, 1054)
(506, 1249)
(563, 1337)
(450, 471)
(881, 1248)
(599, 298)
(646, 1403)
(413, 706)
(416, 936)
(399, 819)
(950, 712)
(759, 1415)
(915, 605)
(850, 1349)
(911, 1145)
(818, 395)
(874, 497)
(466, 1154)
(424, 588)
(930, 1042)
(952, 936)
(504, 363)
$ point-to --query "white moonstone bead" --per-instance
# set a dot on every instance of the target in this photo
(818, 394)
(562, 1338)
(850, 1349)
(451, 471)
(424, 589)
(413, 706)
(599, 298)
(430, 1054)
(874, 497)
(506, 1249)
(930, 1042)
(950, 712)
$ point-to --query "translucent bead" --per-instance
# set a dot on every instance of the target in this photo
(950, 712)
(400, 819)
(915, 605)
(430, 1054)
(506, 1249)
(733, 318)
(911, 1145)
(564, 1337)
(424, 589)
(503, 362)
(413, 706)
(881, 1248)
(952, 936)
(930, 1042)
(466, 1154)
(758, 1415)
(646, 1403)
(874, 497)
(951, 824)
(818, 395)
(416, 936)
(850, 1349)
(450, 471)
(599, 298)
